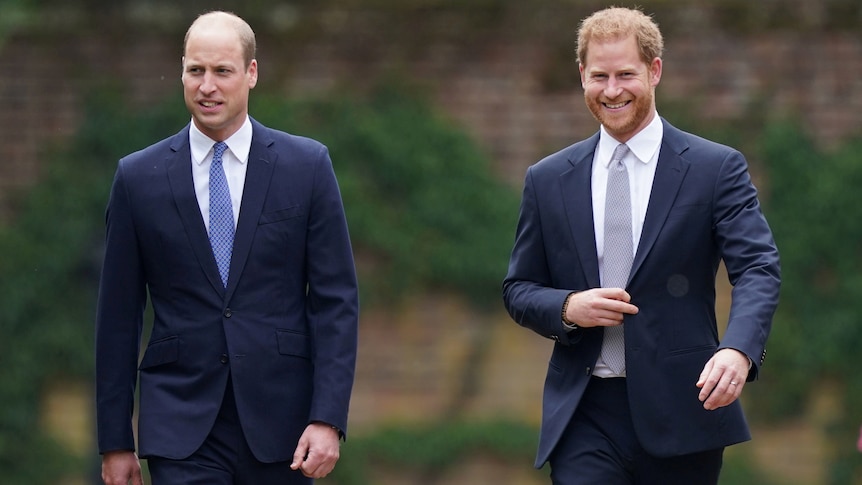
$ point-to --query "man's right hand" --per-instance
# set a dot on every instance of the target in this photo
(599, 307)
(121, 468)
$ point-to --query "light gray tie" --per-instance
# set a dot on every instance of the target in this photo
(618, 251)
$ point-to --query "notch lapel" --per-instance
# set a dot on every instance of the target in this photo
(261, 162)
(576, 187)
(669, 173)
(183, 189)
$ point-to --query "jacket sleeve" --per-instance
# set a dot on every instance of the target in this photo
(333, 302)
(528, 293)
(119, 321)
(751, 257)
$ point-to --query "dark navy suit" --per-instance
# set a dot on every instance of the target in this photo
(284, 330)
(703, 209)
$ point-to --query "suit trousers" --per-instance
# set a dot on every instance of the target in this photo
(224, 458)
(599, 445)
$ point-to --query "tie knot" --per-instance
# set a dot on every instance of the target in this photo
(620, 152)
(218, 150)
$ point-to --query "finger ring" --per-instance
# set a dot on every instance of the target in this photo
(732, 383)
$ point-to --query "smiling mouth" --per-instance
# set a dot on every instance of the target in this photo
(209, 104)
(615, 105)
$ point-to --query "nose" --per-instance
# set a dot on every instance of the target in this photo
(207, 85)
(613, 88)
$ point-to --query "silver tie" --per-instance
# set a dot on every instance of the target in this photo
(618, 251)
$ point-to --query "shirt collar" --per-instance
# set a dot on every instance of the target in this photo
(643, 145)
(239, 143)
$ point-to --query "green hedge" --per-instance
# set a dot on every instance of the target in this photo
(815, 212)
(430, 450)
(52, 254)
(424, 213)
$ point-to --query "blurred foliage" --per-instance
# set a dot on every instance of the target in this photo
(740, 469)
(411, 23)
(430, 451)
(744, 16)
(424, 212)
(809, 198)
(16, 14)
(48, 286)
(423, 209)
(814, 210)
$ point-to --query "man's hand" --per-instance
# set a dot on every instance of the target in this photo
(121, 467)
(599, 307)
(317, 451)
(723, 378)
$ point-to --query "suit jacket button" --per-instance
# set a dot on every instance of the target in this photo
(223, 359)
(589, 371)
(228, 313)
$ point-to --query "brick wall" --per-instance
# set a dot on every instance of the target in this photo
(516, 91)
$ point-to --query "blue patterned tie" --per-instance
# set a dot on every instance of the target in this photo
(221, 213)
(618, 253)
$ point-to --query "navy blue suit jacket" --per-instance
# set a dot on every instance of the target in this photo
(285, 328)
(703, 209)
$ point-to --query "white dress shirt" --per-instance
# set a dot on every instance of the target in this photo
(234, 160)
(640, 162)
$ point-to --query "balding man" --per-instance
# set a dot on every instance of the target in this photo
(237, 234)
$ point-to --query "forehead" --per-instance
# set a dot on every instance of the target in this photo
(209, 44)
(613, 53)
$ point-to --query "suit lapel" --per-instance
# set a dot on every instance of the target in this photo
(261, 161)
(576, 187)
(670, 171)
(183, 189)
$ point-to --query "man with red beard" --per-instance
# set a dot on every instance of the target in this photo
(617, 247)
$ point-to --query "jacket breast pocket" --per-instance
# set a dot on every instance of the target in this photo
(697, 210)
(162, 351)
(280, 215)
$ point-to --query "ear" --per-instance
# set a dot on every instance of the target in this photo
(581, 70)
(655, 71)
(252, 73)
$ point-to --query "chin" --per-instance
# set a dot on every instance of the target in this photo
(616, 125)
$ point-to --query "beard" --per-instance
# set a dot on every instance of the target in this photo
(623, 125)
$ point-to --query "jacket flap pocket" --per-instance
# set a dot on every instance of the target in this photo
(293, 343)
(162, 351)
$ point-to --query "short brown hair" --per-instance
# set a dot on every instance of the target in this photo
(617, 23)
(243, 31)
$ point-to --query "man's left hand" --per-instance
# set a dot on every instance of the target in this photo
(723, 378)
(317, 451)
